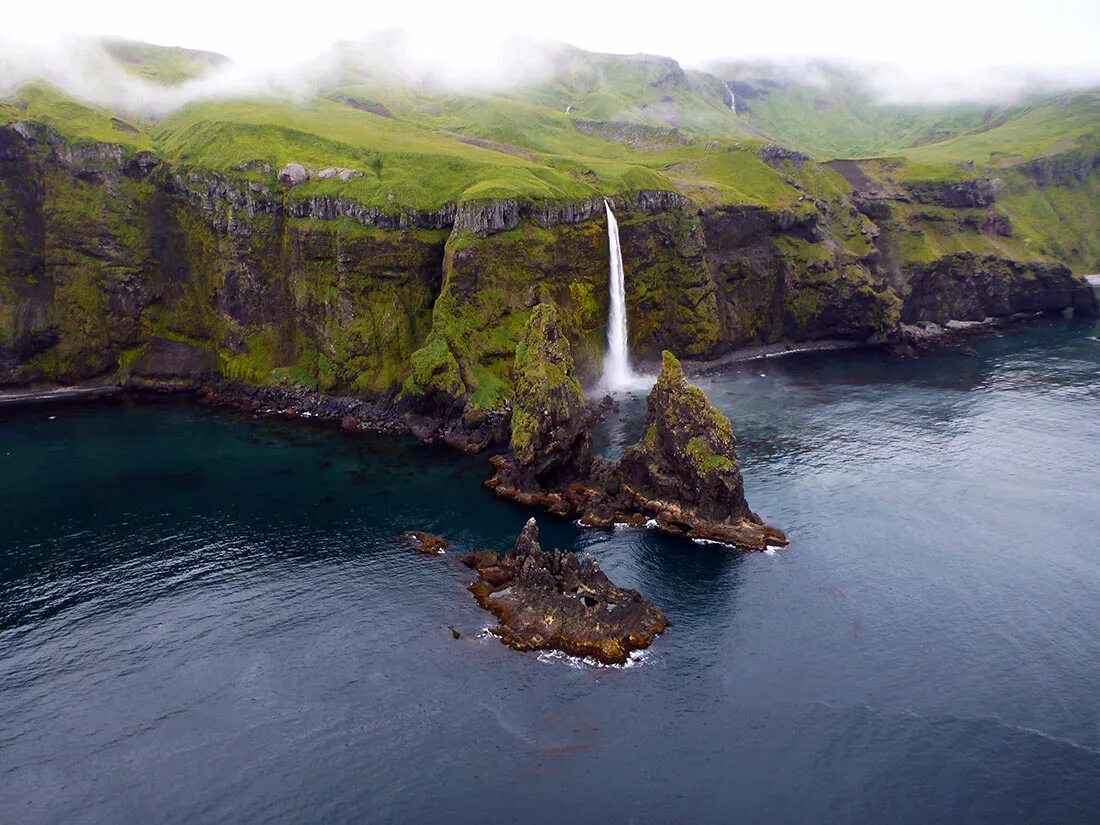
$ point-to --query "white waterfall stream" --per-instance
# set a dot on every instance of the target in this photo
(617, 372)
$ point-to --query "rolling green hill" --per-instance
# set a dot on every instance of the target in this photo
(168, 65)
(833, 113)
(596, 123)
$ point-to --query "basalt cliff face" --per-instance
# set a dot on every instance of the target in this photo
(116, 267)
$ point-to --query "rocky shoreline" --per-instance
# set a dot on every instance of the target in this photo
(389, 414)
(780, 349)
(912, 339)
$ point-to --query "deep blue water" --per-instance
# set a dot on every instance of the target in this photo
(206, 618)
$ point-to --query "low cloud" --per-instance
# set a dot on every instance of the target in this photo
(436, 60)
(84, 69)
(892, 83)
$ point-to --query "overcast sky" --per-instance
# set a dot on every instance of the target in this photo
(1057, 33)
(948, 40)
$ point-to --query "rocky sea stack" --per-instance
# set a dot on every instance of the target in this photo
(684, 471)
(555, 601)
(682, 475)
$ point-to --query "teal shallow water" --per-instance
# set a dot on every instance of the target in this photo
(209, 618)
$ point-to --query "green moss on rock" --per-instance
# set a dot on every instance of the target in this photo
(547, 395)
(435, 370)
(688, 453)
(549, 426)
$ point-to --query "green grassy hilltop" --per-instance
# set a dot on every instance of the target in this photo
(598, 124)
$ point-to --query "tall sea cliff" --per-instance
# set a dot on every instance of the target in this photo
(108, 252)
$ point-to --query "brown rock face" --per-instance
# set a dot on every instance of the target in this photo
(426, 543)
(172, 365)
(555, 601)
(687, 452)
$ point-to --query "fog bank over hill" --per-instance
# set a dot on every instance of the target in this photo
(87, 70)
(895, 83)
(942, 53)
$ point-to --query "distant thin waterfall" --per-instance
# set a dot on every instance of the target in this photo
(733, 102)
(617, 373)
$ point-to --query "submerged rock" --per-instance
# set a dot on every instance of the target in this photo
(555, 601)
(426, 543)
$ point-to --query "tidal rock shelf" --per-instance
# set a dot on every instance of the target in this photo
(682, 474)
(555, 601)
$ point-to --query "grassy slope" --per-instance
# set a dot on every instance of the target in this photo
(643, 89)
(1044, 127)
(837, 116)
(78, 122)
(1061, 222)
(844, 121)
(418, 158)
(167, 65)
(1060, 219)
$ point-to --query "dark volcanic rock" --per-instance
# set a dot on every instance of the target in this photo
(774, 154)
(968, 287)
(168, 364)
(956, 194)
(683, 474)
(555, 601)
(484, 218)
(387, 414)
(684, 469)
(1064, 169)
(998, 225)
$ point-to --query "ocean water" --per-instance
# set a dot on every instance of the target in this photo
(207, 618)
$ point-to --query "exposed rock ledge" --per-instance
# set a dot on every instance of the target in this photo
(682, 475)
(481, 218)
(555, 601)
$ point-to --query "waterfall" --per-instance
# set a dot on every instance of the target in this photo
(617, 373)
(733, 102)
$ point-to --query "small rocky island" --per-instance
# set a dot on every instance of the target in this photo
(555, 601)
(682, 475)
